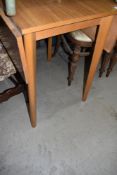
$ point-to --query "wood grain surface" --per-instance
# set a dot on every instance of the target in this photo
(36, 15)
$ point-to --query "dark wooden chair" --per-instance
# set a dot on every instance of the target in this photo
(77, 45)
(8, 70)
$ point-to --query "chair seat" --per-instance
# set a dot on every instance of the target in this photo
(80, 36)
(6, 66)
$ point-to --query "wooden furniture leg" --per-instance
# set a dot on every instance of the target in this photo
(101, 37)
(73, 63)
(113, 61)
(49, 49)
(51, 53)
(57, 46)
(105, 61)
(30, 50)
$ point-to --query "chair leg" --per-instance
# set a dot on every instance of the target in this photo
(57, 46)
(49, 49)
(73, 62)
(113, 61)
(105, 61)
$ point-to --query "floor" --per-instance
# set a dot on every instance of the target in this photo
(72, 137)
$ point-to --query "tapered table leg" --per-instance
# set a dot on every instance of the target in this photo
(102, 34)
(30, 50)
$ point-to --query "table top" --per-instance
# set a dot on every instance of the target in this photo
(37, 15)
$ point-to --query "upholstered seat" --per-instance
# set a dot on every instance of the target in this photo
(7, 39)
(80, 36)
(6, 66)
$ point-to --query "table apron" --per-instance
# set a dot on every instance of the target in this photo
(66, 28)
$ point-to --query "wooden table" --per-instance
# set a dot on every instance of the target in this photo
(39, 19)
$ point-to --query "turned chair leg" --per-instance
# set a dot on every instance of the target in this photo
(113, 61)
(105, 60)
(73, 62)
